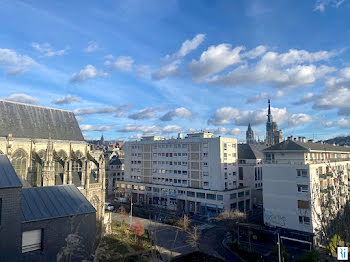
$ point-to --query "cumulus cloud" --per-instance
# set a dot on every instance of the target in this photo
(95, 110)
(47, 50)
(65, 100)
(92, 46)
(151, 130)
(180, 112)
(96, 127)
(167, 70)
(293, 68)
(122, 63)
(86, 73)
(136, 137)
(227, 115)
(15, 63)
(121, 110)
(225, 131)
(320, 5)
(23, 98)
(146, 113)
(214, 60)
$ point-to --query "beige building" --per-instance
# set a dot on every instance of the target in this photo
(46, 147)
(114, 169)
(196, 174)
(296, 175)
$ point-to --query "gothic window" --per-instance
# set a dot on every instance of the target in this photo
(19, 162)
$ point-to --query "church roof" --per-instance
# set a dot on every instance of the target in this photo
(39, 203)
(8, 176)
(289, 145)
(246, 151)
(30, 121)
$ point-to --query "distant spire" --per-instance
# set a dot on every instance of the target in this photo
(269, 111)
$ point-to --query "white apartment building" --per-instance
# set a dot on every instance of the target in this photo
(296, 174)
(196, 174)
(250, 158)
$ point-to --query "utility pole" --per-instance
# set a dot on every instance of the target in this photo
(279, 247)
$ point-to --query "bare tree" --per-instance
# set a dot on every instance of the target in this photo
(232, 219)
(184, 223)
(328, 198)
(193, 238)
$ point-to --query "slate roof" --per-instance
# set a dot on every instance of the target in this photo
(40, 203)
(116, 161)
(246, 151)
(30, 121)
(289, 145)
(8, 176)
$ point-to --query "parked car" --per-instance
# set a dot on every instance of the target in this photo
(109, 206)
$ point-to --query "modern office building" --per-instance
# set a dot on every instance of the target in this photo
(195, 174)
(296, 175)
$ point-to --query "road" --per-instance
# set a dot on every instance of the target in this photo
(172, 241)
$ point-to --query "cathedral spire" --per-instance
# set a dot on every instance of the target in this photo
(269, 111)
(269, 115)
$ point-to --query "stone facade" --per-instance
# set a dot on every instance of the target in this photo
(273, 134)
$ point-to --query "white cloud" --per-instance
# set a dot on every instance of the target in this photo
(109, 57)
(92, 46)
(225, 131)
(121, 110)
(47, 50)
(151, 130)
(306, 99)
(86, 73)
(94, 110)
(15, 63)
(187, 47)
(65, 100)
(146, 113)
(255, 52)
(214, 60)
(142, 71)
(180, 112)
(257, 98)
(227, 115)
(344, 123)
(96, 127)
(136, 137)
(167, 70)
(23, 98)
(320, 5)
(122, 63)
(328, 124)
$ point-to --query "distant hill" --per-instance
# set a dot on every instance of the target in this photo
(341, 140)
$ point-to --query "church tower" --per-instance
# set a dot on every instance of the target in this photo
(249, 136)
(273, 134)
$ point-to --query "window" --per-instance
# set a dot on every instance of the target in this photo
(220, 197)
(240, 173)
(211, 196)
(31, 240)
(240, 194)
(205, 174)
(303, 188)
(190, 194)
(205, 164)
(233, 195)
(19, 162)
(233, 206)
(303, 204)
(301, 172)
(247, 205)
(247, 193)
(206, 184)
(200, 195)
(304, 220)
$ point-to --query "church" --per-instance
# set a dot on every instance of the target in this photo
(273, 134)
(46, 147)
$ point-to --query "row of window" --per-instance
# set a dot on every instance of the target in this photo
(176, 163)
(241, 205)
(240, 194)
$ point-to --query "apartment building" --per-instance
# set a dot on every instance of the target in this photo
(114, 169)
(250, 158)
(196, 174)
(296, 175)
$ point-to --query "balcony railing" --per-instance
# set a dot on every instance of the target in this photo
(304, 161)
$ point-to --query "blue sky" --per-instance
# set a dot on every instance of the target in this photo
(136, 67)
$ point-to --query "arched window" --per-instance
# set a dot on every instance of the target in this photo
(77, 165)
(59, 167)
(19, 162)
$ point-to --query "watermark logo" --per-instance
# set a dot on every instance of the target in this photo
(342, 253)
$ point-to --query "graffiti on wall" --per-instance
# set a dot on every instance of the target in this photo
(273, 219)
